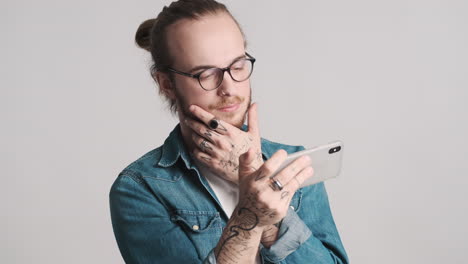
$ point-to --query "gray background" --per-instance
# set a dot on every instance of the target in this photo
(389, 78)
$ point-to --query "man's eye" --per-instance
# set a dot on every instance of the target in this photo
(238, 66)
(207, 74)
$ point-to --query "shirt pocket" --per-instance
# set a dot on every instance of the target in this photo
(203, 228)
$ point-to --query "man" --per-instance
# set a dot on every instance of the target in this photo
(206, 195)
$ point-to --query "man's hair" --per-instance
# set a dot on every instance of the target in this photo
(151, 35)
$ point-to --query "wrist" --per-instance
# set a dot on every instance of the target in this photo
(269, 235)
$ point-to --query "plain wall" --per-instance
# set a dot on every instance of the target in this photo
(389, 78)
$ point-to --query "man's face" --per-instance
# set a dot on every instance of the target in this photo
(212, 41)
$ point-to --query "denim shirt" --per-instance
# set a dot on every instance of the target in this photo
(164, 211)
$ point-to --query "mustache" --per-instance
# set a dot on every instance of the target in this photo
(226, 102)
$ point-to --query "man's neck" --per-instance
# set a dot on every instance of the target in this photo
(187, 137)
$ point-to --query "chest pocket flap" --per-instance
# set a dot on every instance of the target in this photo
(203, 228)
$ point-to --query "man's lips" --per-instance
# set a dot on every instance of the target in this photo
(229, 108)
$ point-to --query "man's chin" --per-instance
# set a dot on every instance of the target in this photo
(234, 119)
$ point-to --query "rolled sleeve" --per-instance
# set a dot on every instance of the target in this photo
(293, 232)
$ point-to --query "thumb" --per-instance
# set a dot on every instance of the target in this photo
(246, 161)
(253, 120)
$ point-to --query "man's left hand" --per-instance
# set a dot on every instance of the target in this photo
(219, 149)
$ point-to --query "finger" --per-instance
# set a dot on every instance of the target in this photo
(206, 117)
(253, 120)
(245, 163)
(289, 172)
(299, 179)
(204, 158)
(201, 130)
(273, 163)
(203, 144)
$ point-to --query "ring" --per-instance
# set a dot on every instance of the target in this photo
(278, 184)
(204, 145)
(213, 124)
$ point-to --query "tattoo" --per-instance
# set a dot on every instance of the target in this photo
(234, 242)
(260, 175)
(221, 127)
(206, 159)
(248, 220)
(204, 146)
(208, 134)
(284, 194)
(230, 161)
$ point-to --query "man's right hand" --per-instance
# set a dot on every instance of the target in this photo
(261, 203)
(259, 194)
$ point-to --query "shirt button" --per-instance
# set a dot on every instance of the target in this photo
(292, 207)
(195, 227)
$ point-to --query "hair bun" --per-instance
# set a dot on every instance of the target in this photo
(143, 34)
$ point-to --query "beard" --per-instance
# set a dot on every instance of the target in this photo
(236, 118)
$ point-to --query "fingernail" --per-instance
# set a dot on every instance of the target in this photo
(191, 108)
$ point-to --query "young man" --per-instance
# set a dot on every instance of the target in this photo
(206, 194)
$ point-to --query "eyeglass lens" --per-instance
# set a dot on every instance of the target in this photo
(240, 71)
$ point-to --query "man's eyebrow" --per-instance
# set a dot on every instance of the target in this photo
(203, 67)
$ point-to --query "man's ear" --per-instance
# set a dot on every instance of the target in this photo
(165, 84)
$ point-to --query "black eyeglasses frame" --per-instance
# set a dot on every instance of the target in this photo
(228, 69)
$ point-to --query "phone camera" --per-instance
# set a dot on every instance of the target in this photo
(334, 150)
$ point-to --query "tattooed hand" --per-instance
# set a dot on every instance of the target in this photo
(257, 191)
(260, 204)
(219, 149)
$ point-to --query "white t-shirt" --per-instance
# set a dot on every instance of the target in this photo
(226, 191)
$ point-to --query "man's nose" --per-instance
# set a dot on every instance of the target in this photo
(228, 85)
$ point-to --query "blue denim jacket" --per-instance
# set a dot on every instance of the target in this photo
(164, 211)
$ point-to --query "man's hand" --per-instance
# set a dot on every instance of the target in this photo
(258, 192)
(262, 203)
(219, 149)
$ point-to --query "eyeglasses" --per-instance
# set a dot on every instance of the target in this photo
(211, 78)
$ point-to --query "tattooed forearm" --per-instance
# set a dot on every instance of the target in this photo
(234, 243)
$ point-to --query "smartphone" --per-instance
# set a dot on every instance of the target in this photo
(325, 160)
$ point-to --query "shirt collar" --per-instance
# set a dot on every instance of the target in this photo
(174, 148)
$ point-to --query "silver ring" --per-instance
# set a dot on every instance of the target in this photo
(278, 184)
(204, 145)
